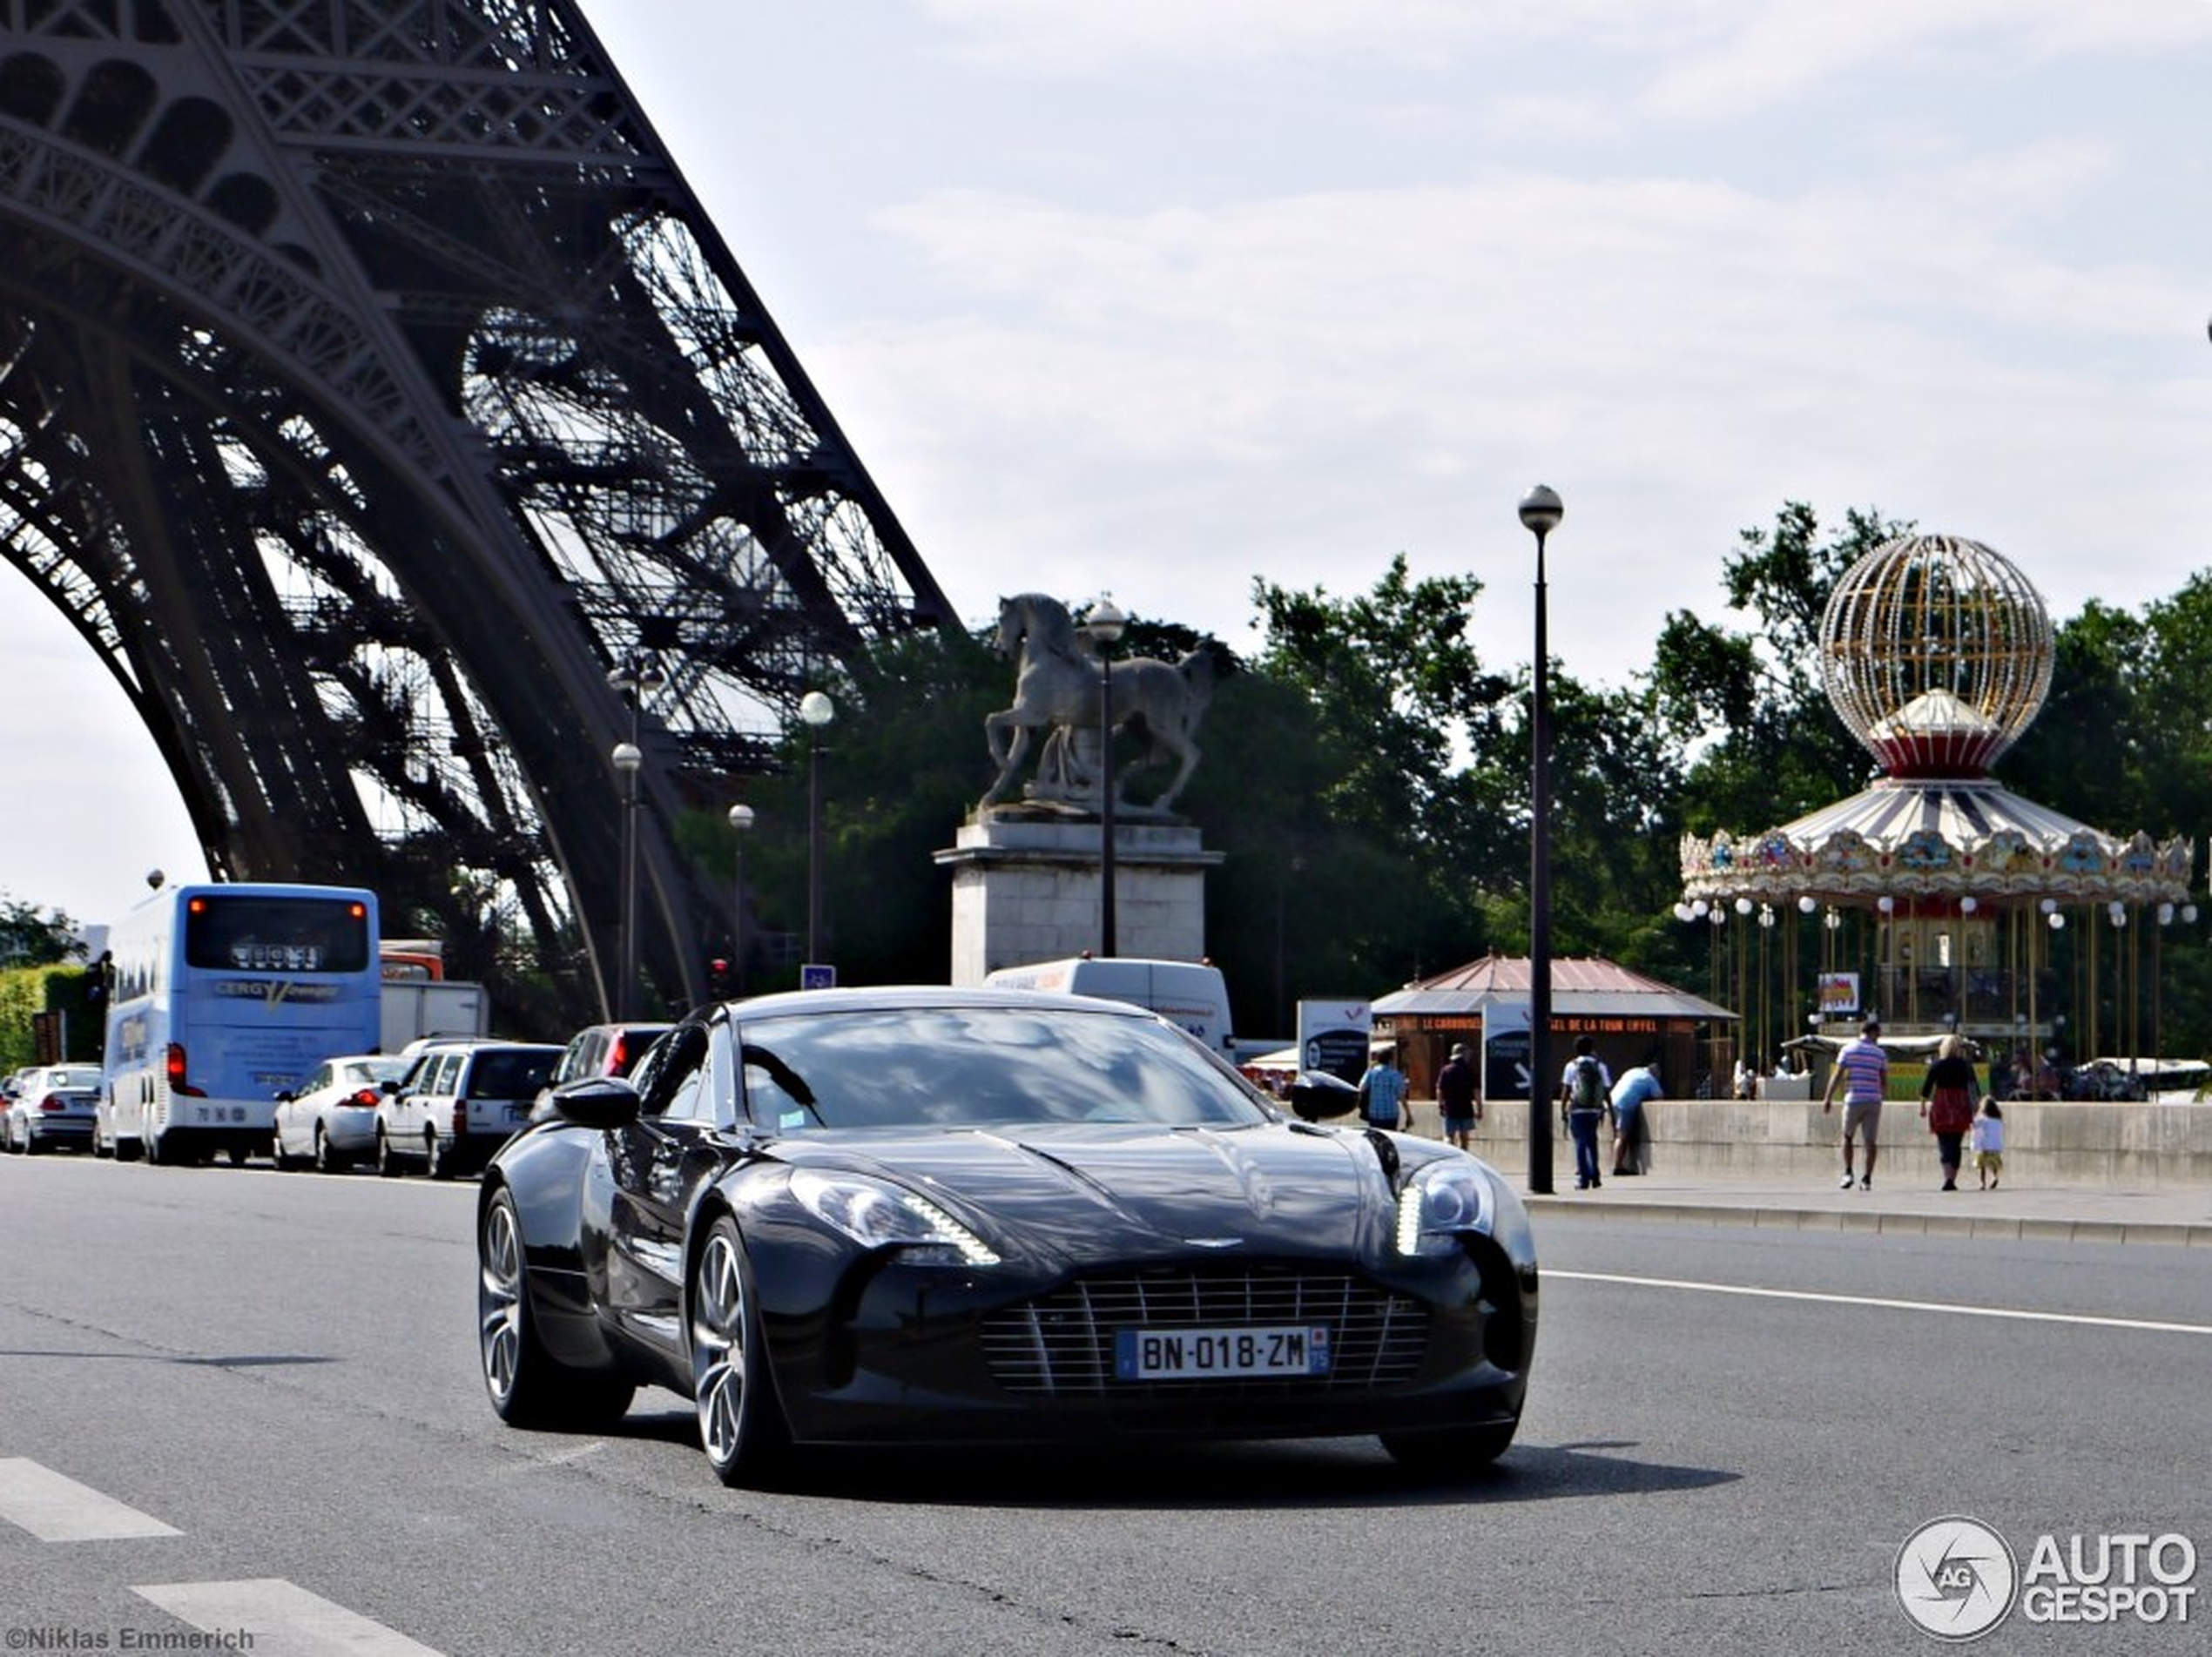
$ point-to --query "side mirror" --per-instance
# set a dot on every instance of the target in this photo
(596, 1101)
(1316, 1095)
(286, 1096)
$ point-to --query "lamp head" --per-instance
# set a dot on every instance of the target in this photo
(1104, 621)
(741, 817)
(1540, 510)
(816, 709)
(627, 757)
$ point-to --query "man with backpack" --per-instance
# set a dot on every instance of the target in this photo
(1584, 1088)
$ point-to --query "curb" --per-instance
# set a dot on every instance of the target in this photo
(2165, 1233)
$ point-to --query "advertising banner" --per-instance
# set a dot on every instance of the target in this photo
(1505, 1050)
(1333, 1036)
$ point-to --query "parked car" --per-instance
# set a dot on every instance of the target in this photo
(598, 1050)
(457, 1103)
(53, 1106)
(933, 1215)
(331, 1120)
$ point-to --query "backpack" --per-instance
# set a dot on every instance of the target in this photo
(1588, 1093)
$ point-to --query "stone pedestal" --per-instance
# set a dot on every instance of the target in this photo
(1027, 889)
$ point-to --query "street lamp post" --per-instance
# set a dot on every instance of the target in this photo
(740, 826)
(1103, 623)
(640, 671)
(815, 711)
(627, 757)
(1541, 511)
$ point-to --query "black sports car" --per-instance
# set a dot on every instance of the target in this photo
(933, 1215)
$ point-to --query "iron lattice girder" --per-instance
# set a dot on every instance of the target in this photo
(409, 313)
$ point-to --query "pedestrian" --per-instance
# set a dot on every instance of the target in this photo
(1989, 1143)
(1631, 1132)
(1383, 1089)
(1457, 1100)
(1947, 1103)
(1585, 1089)
(1863, 1071)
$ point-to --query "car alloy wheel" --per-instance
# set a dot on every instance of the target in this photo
(740, 1426)
(499, 1303)
(527, 1387)
(326, 1163)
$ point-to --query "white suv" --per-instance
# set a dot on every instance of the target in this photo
(458, 1104)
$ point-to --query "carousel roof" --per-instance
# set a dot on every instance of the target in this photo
(1909, 837)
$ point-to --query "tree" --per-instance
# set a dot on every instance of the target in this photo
(1762, 745)
(28, 938)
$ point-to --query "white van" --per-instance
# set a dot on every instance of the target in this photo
(1193, 994)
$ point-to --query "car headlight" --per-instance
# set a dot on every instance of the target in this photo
(1442, 1203)
(878, 1214)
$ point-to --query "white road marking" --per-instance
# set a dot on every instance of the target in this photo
(56, 1509)
(273, 1617)
(2082, 1318)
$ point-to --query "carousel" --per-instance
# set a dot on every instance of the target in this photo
(1937, 899)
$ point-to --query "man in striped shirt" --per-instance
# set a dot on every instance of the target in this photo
(1863, 1071)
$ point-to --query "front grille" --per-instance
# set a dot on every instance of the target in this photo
(1061, 1345)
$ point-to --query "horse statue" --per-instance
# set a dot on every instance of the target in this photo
(1057, 689)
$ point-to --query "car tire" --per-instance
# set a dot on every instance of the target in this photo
(282, 1159)
(386, 1163)
(528, 1386)
(437, 1155)
(741, 1425)
(1452, 1450)
(327, 1159)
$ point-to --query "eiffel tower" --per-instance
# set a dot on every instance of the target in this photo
(377, 400)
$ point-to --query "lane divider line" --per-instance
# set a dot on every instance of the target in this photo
(270, 1614)
(55, 1508)
(2083, 1319)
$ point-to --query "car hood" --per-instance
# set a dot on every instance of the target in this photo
(1070, 1193)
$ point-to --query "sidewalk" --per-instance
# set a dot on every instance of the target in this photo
(1908, 1206)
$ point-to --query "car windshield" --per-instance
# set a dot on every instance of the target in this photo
(76, 1075)
(983, 1067)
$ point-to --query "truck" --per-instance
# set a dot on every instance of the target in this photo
(1192, 994)
(414, 1008)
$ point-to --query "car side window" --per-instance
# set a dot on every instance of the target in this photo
(677, 1066)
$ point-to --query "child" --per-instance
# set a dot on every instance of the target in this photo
(1989, 1143)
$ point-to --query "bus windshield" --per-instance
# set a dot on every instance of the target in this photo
(278, 934)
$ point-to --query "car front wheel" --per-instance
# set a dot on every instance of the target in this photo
(529, 1387)
(741, 1426)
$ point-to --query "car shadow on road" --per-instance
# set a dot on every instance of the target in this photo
(1141, 1474)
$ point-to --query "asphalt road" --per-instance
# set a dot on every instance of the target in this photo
(270, 1382)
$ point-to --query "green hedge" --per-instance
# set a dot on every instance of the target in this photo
(28, 990)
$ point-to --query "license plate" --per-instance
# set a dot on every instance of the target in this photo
(1219, 1354)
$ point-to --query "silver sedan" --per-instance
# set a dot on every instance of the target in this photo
(330, 1121)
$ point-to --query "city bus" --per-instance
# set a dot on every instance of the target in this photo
(225, 996)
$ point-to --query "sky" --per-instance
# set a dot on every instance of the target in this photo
(1159, 297)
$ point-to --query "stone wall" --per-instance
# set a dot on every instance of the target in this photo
(2108, 1145)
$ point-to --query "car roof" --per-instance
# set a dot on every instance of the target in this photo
(902, 997)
